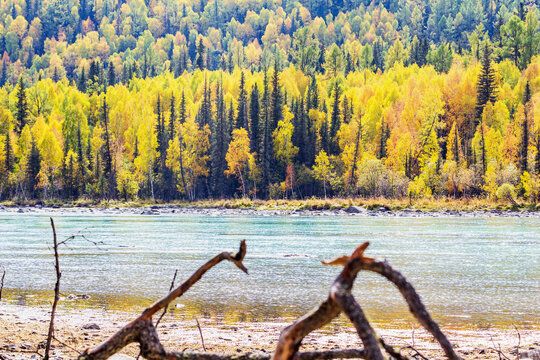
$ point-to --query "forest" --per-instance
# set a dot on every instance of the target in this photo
(195, 99)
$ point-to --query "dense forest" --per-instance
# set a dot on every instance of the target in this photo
(191, 99)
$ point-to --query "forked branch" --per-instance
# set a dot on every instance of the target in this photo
(341, 299)
(142, 329)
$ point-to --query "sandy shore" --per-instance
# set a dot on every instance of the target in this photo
(23, 331)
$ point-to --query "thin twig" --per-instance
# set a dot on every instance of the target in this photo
(66, 345)
(200, 332)
(498, 351)
(167, 307)
(81, 236)
(519, 341)
(2, 280)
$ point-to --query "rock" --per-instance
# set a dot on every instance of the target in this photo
(530, 355)
(91, 326)
(354, 210)
(383, 209)
(20, 211)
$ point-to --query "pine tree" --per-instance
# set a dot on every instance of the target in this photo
(242, 110)
(485, 84)
(81, 167)
(32, 169)
(335, 122)
(111, 75)
(200, 55)
(357, 148)
(266, 157)
(172, 116)
(254, 118)
(182, 111)
(382, 142)
(81, 84)
(8, 153)
(219, 143)
(276, 98)
(22, 106)
(325, 143)
(56, 76)
(483, 158)
(346, 110)
(3, 77)
(525, 130)
(107, 156)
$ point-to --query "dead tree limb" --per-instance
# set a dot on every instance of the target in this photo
(143, 331)
(416, 306)
(341, 299)
(56, 293)
(291, 337)
(2, 280)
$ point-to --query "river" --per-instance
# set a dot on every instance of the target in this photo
(470, 271)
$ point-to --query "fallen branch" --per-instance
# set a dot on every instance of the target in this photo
(341, 299)
(143, 331)
(416, 307)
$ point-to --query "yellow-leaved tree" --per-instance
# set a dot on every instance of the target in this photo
(238, 157)
(284, 149)
(322, 170)
(188, 156)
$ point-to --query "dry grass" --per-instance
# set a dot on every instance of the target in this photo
(425, 204)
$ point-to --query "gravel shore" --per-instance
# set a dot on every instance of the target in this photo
(23, 331)
(157, 210)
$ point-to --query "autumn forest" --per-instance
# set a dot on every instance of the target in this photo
(206, 99)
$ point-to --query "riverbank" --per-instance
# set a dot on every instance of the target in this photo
(23, 329)
(313, 207)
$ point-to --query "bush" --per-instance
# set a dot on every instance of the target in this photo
(506, 192)
(375, 179)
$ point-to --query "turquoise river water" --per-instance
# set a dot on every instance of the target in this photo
(470, 271)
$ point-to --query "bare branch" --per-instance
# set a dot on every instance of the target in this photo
(416, 307)
(142, 329)
(167, 307)
(56, 293)
(200, 332)
(340, 299)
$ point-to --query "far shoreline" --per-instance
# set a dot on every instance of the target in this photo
(445, 207)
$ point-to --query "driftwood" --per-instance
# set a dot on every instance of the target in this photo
(340, 299)
(143, 331)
